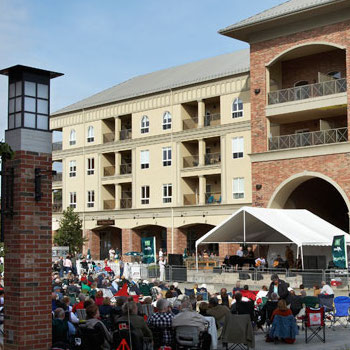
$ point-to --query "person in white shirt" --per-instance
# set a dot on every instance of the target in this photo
(240, 252)
(326, 289)
(162, 269)
(160, 254)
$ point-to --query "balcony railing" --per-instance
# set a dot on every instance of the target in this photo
(307, 91)
(212, 158)
(57, 146)
(190, 199)
(125, 203)
(125, 169)
(57, 177)
(212, 119)
(109, 204)
(109, 137)
(125, 134)
(308, 139)
(109, 171)
(190, 162)
(213, 198)
(57, 207)
(191, 123)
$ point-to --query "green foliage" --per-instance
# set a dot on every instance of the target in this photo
(69, 233)
(5, 151)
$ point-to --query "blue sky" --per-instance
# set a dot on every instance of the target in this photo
(98, 44)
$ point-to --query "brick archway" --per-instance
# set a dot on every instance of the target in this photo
(305, 181)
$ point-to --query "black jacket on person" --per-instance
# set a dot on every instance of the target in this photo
(283, 292)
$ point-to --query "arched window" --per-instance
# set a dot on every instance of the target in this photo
(72, 137)
(237, 108)
(334, 75)
(166, 121)
(91, 134)
(144, 125)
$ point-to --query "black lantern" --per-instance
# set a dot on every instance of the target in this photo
(28, 97)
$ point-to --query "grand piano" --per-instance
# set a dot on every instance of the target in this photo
(234, 260)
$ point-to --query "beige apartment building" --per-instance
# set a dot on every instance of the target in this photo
(164, 154)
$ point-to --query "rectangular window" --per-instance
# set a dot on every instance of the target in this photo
(90, 166)
(72, 168)
(166, 156)
(145, 194)
(144, 159)
(73, 199)
(167, 193)
(90, 199)
(238, 188)
(237, 147)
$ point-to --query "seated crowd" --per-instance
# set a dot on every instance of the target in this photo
(99, 308)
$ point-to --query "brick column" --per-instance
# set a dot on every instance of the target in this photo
(28, 242)
(227, 249)
(178, 243)
(131, 241)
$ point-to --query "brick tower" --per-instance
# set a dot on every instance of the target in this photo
(27, 207)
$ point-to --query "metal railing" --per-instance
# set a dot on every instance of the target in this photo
(308, 139)
(57, 207)
(213, 198)
(57, 146)
(307, 91)
(125, 169)
(212, 119)
(109, 170)
(190, 199)
(109, 137)
(212, 158)
(126, 203)
(190, 162)
(57, 177)
(125, 134)
(191, 123)
(109, 204)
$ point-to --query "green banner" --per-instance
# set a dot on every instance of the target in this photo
(339, 252)
(148, 245)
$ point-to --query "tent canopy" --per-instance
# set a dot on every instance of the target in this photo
(274, 226)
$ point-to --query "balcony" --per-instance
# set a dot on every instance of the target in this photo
(126, 200)
(57, 177)
(125, 169)
(109, 204)
(213, 198)
(109, 137)
(125, 134)
(109, 171)
(191, 123)
(57, 146)
(212, 158)
(190, 162)
(212, 120)
(190, 199)
(307, 91)
(308, 139)
(57, 207)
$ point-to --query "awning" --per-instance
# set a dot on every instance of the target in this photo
(274, 226)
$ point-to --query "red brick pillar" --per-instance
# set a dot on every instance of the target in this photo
(177, 243)
(131, 241)
(227, 249)
(28, 246)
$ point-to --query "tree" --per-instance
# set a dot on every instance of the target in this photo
(69, 234)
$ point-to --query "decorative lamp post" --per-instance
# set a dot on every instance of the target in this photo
(27, 210)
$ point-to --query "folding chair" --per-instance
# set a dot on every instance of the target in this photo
(327, 303)
(189, 292)
(187, 337)
(341, 311)
(314, 323)
(310, 301)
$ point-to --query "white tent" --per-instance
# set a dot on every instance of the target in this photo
(273, 226)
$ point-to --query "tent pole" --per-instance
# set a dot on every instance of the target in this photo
(302, 257)
(244, 227)
(197, 257)
(297, 252)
